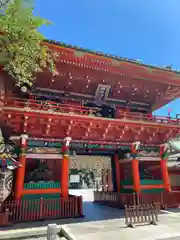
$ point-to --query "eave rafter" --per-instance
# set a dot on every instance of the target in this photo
(73, 55)
(48, 127)
(138, 132)
(124, 130)
(25, 125)
(69, 129)
(88, 128)
(106, 131)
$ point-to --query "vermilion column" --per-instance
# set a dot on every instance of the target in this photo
(135, 167)
(117, 167)
(19, 185)
(164, 169)
(65, 168)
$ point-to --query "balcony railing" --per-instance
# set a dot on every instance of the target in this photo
(54, 107)
(48, 106)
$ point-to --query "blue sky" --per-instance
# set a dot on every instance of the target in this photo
(139, 29)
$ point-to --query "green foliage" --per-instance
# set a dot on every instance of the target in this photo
(21, 51)
(3, 3)
(178, 137)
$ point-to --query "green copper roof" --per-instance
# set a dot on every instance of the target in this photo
(110, 56)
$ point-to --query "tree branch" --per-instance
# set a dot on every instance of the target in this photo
(4, 3)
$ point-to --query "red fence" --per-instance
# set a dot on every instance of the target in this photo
(171, 200)
(42, 209)
(165, 199)
(81, 110)
(148, 198)
(113, 199)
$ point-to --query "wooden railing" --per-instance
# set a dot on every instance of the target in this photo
(119, 200)
(148, 198)
(42, 209)
(51, 106)
(164, 199)
(147, 118)
(113, 199)
(140, 214)
(4, 218)
(48, 106)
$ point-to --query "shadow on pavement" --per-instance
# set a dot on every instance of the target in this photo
(173, 210)
(92, 212)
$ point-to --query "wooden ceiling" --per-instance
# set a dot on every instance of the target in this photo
(81, 73)
(85, 81)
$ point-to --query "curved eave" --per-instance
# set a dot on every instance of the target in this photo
(106, 56)
(160, 104)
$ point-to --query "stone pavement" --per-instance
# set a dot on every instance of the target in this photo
(168, 227)
(36, 238)
(171, 238)
(102, 222)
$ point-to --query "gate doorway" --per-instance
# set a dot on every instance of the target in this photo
(89, 172)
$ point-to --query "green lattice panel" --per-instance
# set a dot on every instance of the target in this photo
(42, 185)
(38, 196)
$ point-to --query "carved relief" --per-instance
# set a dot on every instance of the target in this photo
(6, 179)
(89, 162)
(44, 150)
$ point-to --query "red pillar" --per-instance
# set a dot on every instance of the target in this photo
(19, 185)
(65, 168)
(64, 176)
(117, 167)
(164, 169)
(135, 167)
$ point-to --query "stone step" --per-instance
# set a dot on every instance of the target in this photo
(45, 238)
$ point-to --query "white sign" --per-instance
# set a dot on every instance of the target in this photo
(74, 178)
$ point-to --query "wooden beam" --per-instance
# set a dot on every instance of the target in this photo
(69, 129)
(41, 191)
(84, 118)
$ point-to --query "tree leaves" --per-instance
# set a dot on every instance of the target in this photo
(21, 50)
(3, 3)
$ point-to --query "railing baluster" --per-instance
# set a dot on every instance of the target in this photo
(81, 110)
(141, 214)
(36, 209)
